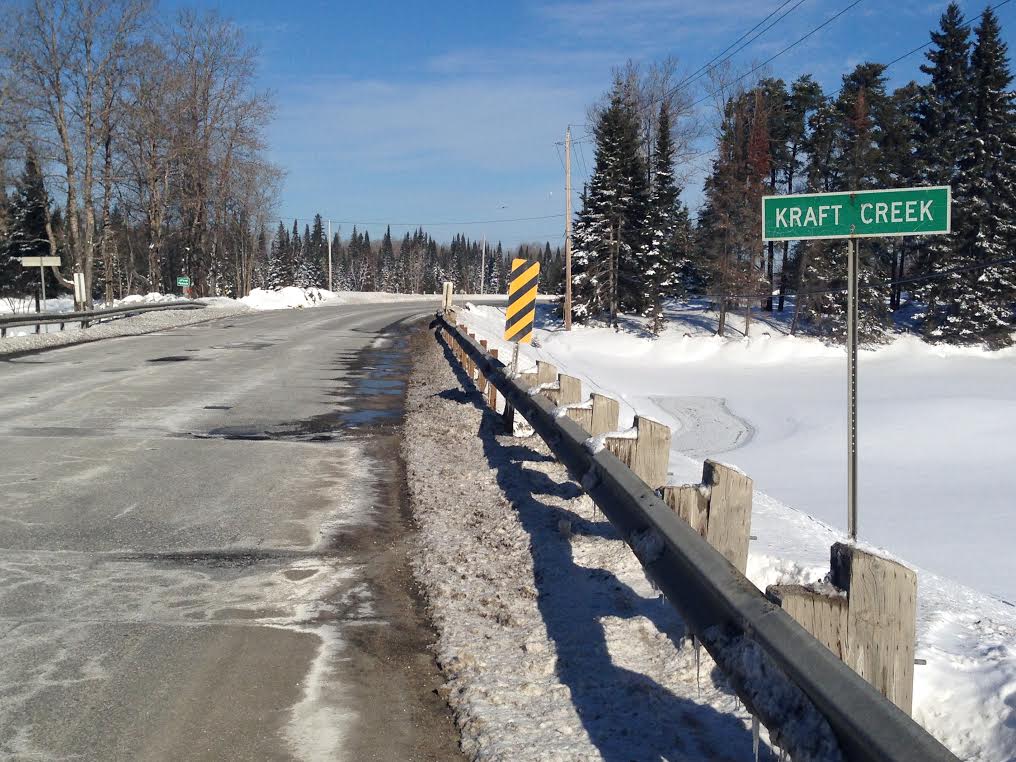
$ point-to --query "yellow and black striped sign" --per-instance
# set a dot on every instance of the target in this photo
(518, 324)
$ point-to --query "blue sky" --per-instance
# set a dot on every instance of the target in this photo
(414, 112)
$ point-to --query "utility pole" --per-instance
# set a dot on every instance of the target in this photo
(567, 228)
(330, 255)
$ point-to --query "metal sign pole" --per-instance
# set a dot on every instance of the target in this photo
(42, 283)
(852, 387)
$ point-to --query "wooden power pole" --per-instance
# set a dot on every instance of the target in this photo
(567, 229)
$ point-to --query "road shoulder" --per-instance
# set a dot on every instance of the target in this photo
(552, 642)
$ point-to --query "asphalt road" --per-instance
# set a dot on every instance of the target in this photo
(202, 546)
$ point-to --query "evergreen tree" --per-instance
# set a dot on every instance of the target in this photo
(27, 213)
(851, 154)
(664, 256)
(278, 267)
(977, 305)
(608, 262)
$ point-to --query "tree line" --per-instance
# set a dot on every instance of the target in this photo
(414, 264)
(150, 136)
(635, 245)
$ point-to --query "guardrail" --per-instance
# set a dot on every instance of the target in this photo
(87, 318)
(814, 705)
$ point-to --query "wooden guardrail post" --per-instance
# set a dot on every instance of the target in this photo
(719, 509)
(582, 414)
(481, 380)
(866, 615)
(469, 364)
(491, 389)
(647, 453)
(568, 391)
(605, 415)
(823, 614)
(730, 492)
(691, 503)
(545, 372)
(881, 620)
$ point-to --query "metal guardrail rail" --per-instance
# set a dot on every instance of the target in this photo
(783, 674)
(92, 316)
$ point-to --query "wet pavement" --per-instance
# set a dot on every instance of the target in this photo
(203, 546)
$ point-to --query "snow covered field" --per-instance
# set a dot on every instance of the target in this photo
(936, 480)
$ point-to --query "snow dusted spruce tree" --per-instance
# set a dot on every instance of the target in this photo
(849, 152)
(729, 232)
(26, 236)
(666, 228)
(278, 269)
(608, 265)
(976, 304)
(944, 133)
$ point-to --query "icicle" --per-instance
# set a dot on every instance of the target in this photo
(754, 736)
(698, 663)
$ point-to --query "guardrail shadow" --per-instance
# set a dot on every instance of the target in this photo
(627, 715)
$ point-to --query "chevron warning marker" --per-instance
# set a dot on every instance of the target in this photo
(518, 324)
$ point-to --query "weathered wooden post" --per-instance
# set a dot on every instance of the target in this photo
(491, 389)
(545, 372)
(481, 380)
(719, 509)
(881, 620)
(605, 415)
(823, 614)
(730, 493)
(866, 614)
(582, 414)
(691, 503)
(568, 391)
(647, 453)
(469, 364)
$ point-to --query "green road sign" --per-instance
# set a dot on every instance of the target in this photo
(183, 280)
(862, 214)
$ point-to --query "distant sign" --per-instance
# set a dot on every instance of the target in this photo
(40, 261)
(861, 214)
(183, 280)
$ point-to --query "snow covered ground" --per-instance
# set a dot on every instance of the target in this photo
(937, 482)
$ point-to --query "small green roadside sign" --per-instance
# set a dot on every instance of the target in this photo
(183, 280)
(861, 214)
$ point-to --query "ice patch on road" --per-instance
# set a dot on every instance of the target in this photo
(318, 724)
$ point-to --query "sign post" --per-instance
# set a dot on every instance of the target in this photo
(521, 312)
(42, 263)
(184, 282)
(852, 215)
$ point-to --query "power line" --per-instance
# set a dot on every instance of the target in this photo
(714, 61)
(423, 224)
(789, 47)
(919, 48)
(710, 65)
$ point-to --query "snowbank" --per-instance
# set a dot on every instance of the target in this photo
(936, 480)
(286, 298)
